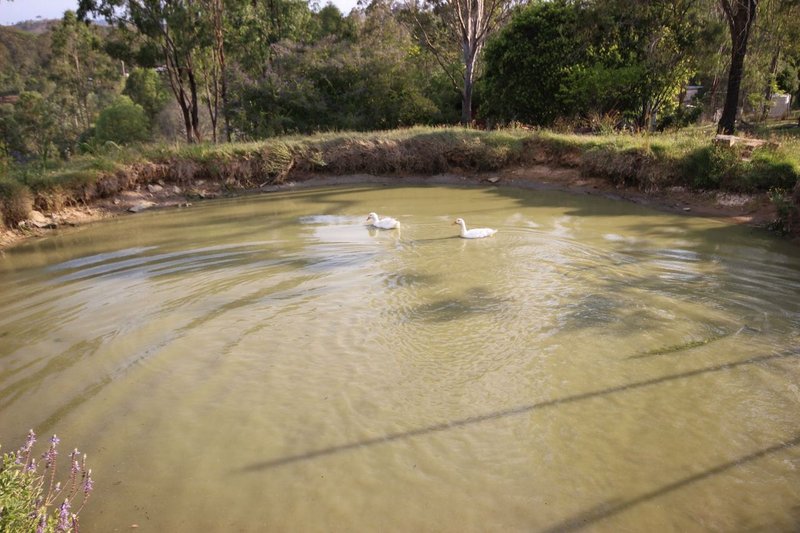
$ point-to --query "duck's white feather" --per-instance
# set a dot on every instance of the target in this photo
(474, 233)
(382, 223)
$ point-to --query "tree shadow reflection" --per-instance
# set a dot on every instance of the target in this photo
(519, 410)
(612, 507)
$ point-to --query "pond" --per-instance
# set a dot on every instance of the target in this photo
(270, 363)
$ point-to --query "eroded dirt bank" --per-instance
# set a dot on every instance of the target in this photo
(750, 209)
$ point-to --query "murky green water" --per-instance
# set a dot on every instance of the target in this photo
(271, 364)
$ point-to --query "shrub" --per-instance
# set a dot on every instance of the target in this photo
(713, 167)
(16, 202)
(122, 122)
(770, 168)
(28, 497)
(785, 208)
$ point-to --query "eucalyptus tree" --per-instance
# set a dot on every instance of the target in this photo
(178, 31)
(84, 74)
(36, 118)
(740, 15)
(216, 76)
(255, 27)
(463, 25)
(775, 43)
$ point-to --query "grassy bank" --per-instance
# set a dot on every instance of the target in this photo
(648, 162)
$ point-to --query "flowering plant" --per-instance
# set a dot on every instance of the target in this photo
(29, 496)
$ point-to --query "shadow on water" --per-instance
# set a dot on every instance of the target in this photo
(677, 348)
(477, 419)
(613, 507)
(477, 300)
(576, 205)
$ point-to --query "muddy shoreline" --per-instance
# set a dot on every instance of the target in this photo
(748, 209)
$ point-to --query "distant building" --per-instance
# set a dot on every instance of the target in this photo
(691, 92)
(779, 106)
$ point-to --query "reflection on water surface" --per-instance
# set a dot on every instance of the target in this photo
(272, 364)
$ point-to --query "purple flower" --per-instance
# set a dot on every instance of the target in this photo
(26, 448)
(31, 467)
(88, 484)
(41, 523)
(76, 466)
(63, 517)
(50, 455)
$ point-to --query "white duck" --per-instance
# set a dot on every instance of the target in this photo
(475, 233)
(383, 223)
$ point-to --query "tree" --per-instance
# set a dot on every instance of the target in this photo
(145, 87)
(610, 57)
(83, 72)
(216, 76)
(10, 138)
(469, 23)
(36, 118)
(122, 122)
(366, 74)
(528, 63)
(774, 41)
(177, 30)
(740, 15)
(661, 40)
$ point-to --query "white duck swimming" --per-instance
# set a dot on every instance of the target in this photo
(475, 233)
(383, 223)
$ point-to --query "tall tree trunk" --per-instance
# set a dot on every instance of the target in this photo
(466, 93)
(220, 45)
(740, 15)
(194, 106)
(470, 23)
(773, 70)
(187, 121)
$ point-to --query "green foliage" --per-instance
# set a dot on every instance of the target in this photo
(122, 122)
(10, 134)
(28, 495)
(772, 168)
(698, 171)
(37, 118)
(18, 492)
(23, 57)
(85, 76)
(567, 59)
(527, 63)
(785, 209)
(376, 80)
(145, 87)
(726, 167)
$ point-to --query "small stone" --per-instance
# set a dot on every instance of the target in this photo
(152, 187)
(38, 220)
(493, 179)
(687, 208)
(176, 190)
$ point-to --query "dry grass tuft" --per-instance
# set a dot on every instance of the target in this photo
(16, 203)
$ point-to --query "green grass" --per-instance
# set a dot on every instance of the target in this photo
(646, 161)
